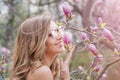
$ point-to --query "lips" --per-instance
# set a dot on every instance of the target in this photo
(59, 42)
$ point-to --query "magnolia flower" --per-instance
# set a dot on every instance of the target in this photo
(93, 64)
(93, 49)
(99, 20)
(67, 38)
(99, 2)
(2, 68)
(108, 34)
(97, 68)
(103, 76)
(80, 68)
(67, 10)
(94, 29)
(100, 58)
(84, 36)
(102, 11)
(4, 50)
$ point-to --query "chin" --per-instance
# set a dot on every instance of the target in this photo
(61, 51)
(58, 50)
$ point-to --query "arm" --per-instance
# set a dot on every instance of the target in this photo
(65, 66)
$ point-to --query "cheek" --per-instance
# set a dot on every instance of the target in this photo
(50, 44)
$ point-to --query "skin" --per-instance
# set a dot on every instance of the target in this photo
(54, 47)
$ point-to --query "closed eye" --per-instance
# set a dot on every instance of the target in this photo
(50, 34)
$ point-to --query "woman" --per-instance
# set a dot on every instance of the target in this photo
(35, 57)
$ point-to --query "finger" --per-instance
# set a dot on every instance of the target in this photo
(69, 56)
(61, 62)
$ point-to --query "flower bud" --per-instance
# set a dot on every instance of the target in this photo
(67, 10)
(2, 67)
(67, 38)
(80, 68)
(99, 20)
(93, 64)
(94, 29)
(100, 58)
(99, 2)
(5, 51)
(96, 68)
(108, 34)
(84, 36)
(103, 76)
(93, 49)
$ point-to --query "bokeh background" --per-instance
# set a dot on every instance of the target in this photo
(86, 12)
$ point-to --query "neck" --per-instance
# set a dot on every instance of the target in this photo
(48, 59)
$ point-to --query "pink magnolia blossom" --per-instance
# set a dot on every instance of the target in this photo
(66, 38)
(94, 29)
(5, 50)
(93, 64)
(2, 68)
(84, 36)
(102, 11)
(100, 58)
(93, 49)
(67, 10)
(97, 68)
(99, 2)
(108, 34)
(80, 68)
(104, 76)
(99, 20)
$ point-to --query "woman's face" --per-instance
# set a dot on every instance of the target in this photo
(54, 42)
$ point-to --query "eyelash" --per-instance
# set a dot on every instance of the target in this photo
(50, 34)
(56, 30)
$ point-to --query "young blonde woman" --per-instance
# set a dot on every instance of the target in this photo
(38, 44)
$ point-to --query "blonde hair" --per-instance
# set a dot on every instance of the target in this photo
(30, 47)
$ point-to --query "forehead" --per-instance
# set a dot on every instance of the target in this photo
(53, 25)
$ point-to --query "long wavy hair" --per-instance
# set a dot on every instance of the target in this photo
(30, 47)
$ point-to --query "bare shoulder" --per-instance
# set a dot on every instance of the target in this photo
(42, 73)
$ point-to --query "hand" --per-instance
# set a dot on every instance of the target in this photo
(65, 65)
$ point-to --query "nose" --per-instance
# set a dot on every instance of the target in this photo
(60, 36)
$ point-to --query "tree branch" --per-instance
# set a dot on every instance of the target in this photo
(107, 66)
